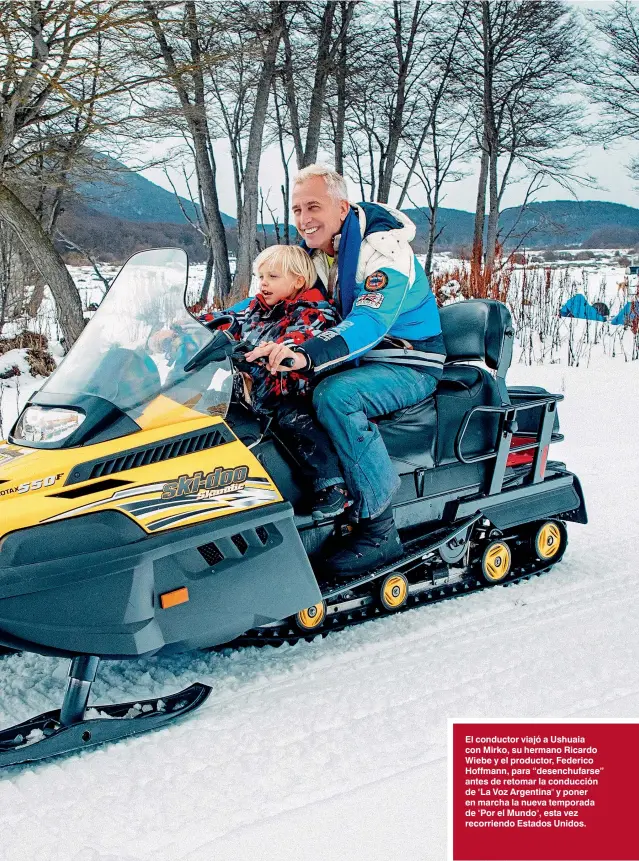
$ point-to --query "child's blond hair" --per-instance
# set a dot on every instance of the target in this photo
(288, 259)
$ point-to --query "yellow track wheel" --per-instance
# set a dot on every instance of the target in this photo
(311, 618)
(496, 561)
(393, 591)
(548, 540)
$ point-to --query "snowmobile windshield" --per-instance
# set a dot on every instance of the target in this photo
(138, 342)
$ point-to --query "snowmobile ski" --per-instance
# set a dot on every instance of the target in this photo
(72, 728)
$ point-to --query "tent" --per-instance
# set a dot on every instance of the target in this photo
(578, 306)
(628, 315)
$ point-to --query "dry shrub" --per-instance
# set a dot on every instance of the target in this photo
(41, 362)
(439, 280)
(476, 282)
(534, 294)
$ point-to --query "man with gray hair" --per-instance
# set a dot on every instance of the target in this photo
(390, 336)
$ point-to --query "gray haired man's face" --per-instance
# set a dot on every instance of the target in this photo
(318, 215)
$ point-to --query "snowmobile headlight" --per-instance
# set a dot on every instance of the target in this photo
(47, 424)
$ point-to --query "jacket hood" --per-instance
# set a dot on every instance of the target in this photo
(378, 218)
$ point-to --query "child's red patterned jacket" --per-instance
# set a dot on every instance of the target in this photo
(291, 322)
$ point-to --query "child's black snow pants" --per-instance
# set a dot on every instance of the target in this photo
(299, 430)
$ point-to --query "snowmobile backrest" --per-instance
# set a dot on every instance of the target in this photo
(478, 330)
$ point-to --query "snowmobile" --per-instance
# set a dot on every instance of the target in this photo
(147, 510)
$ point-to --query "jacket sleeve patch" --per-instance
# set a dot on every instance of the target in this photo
(370, 300)
(376, 281)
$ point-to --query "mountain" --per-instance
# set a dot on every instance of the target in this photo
(455, 228)
(122, 212)
(571, 222)
(120, 192)
(113, 240)
(547, 224)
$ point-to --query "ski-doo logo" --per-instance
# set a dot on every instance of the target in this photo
(32, 485)
(8, 455)
(219, 481)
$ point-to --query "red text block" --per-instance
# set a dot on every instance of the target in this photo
(545, 792)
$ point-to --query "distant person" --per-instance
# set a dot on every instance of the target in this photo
(363, 256)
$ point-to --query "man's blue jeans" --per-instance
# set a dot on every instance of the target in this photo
(345, 402)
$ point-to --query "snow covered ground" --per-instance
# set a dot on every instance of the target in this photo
(337, 749)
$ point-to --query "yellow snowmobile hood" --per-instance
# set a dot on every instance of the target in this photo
(216, 475)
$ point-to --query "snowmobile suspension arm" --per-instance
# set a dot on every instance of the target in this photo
(81, 676)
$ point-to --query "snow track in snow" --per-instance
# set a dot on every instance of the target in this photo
(337, 749)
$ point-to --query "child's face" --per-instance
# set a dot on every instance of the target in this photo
(274, 286)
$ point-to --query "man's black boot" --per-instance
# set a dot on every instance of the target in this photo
(371, 544)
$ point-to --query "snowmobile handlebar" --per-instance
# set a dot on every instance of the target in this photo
(240, 348)
(220, 347)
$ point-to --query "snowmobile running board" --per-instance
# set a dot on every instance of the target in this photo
(434, 542)
(432, 588)
(74, 727)
(285, 632)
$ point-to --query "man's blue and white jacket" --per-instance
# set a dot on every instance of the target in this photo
(389, 311)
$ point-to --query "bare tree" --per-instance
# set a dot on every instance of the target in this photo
(390, 112)
(312, 40)
(613, 77)
(63, 81)
(242, 86)
(44, 52)
(438, 162)
(409, 63)
(520, 64)
(285, 158)
(438, 137)
(179, 41)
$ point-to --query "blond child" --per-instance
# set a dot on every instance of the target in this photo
(289, 309)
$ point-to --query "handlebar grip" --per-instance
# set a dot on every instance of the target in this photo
(287, 363)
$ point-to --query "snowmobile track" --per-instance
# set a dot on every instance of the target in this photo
(287, 634)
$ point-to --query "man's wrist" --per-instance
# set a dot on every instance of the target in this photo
(329, 347)
(302, 352)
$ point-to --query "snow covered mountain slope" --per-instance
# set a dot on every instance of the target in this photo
(337, 749)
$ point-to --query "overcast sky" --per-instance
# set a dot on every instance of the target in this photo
(607, 166)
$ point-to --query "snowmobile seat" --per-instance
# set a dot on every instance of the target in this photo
(461, 388)
(410, 436)
(477, 330)
(423, 435)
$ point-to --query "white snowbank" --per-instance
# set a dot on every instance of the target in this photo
(14, 359)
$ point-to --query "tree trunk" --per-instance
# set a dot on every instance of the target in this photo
(206, 284)
(316, 108)
(340, 120)
(432, 232)
(493, 216)
(291, 98)
(47, 261)
(397, 117)
(285, 188)
(212, 215)
(195, 115)
(247, 237)
(433, 201)
(480, 215)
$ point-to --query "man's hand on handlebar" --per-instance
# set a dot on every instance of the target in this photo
(275, 355)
